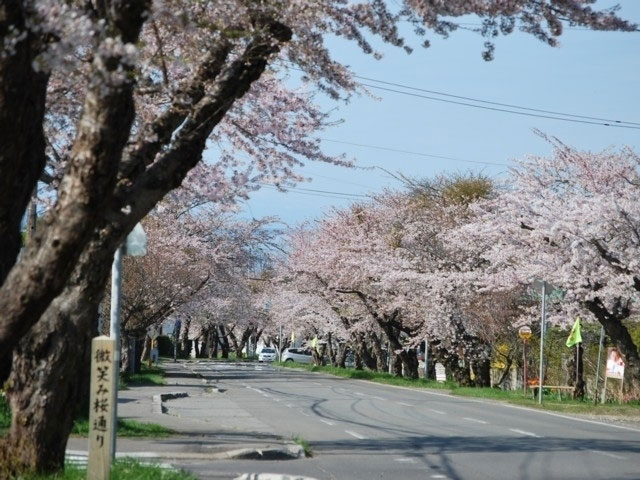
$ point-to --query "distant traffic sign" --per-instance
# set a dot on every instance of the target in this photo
(524, 332)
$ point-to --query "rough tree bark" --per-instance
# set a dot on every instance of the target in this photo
(381, 360)
(47, 367)
(224, 341)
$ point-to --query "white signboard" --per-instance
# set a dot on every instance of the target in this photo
(615, 364)
(441, 375)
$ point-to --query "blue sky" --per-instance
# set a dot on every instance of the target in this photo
(591, 73)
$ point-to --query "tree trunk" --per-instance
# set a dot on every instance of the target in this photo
(224, 342)
(146, 348)
(357, 361)
(196, 346)
(409, 361)
(576, 371)
(215, 341)
(341, 357)
(396, 365)
(381, 361)
(363, 352)
(620, 336)
(331, 350)
(482, 371)
(50, 371)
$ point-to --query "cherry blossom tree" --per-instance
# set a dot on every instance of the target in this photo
(571, 219)
(121, 98)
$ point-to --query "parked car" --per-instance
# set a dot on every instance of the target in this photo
(267, 354)
(300, 355)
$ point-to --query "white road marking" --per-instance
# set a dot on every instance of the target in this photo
(405, 460)
(404, 404)
(378, 398)
(327, 422)
(354, 434)
(437, 475)
(523, 432)
(475, 420)
(289, 405)
(304, 413)
(360, 394)
(439, 412)
(607, 454)
(316, 383)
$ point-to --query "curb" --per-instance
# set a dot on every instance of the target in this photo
(271, 476)
(158, 400)
(286, 452)
(203, 379)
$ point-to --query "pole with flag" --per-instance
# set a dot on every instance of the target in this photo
(575, 338)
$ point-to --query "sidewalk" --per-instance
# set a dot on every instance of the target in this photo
(208, 425)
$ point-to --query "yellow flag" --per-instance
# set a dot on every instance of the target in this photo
(314, 342)
(293, 337)
(575, 336)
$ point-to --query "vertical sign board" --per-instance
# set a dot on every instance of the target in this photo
(103, 376)
(441, 374)
(614, 369)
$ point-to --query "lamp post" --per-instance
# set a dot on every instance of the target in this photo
(135, 245)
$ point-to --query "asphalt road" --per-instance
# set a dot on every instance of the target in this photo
(359, 430)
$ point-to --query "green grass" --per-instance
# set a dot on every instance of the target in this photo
(551, 401)
(147, 376)
(126, 428)
(376, 377)
(308, 452)
(124, 469)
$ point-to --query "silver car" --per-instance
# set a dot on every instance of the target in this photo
(300, 355)
(267, 354)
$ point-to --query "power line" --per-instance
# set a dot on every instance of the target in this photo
(409, 152)
(508, 105)
(310, 191)
(552, 115)
(501, 109)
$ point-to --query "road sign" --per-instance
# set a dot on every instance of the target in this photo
(524, 332)
(153, 332)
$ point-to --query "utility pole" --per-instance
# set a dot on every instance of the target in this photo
(543, 321)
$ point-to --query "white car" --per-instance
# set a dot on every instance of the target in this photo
(299, 355)
(267, 354)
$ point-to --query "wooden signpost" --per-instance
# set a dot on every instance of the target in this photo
(103, 399)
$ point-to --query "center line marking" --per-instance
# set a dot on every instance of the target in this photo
(354, 434)
(405, 459)
(522, 432)
(327, 422)
(607, 454)
(475, 420)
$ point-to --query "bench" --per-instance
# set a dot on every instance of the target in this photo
(557, 388)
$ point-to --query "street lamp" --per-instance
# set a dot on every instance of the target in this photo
(135, 245)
